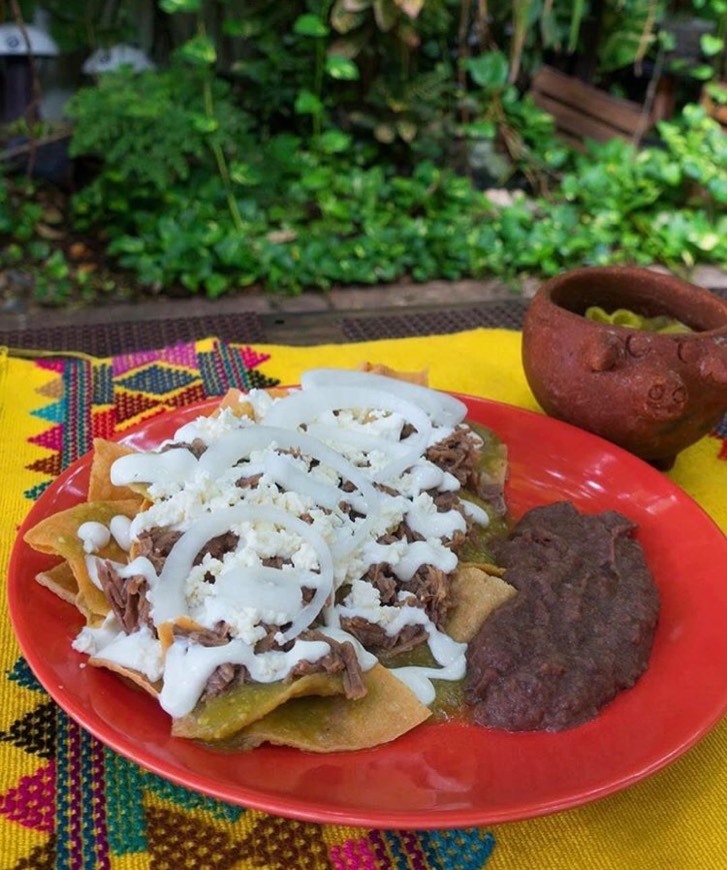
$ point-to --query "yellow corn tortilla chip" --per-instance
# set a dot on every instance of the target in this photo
(100, 488)
(234, 399)
(61, 580)
(336, 724)
(135, 677)
(476, 594)
(420, 377)
(58, 534)
(223, 716)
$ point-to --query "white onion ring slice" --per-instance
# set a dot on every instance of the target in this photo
(307, 405)
(444, 410)
(167, 594)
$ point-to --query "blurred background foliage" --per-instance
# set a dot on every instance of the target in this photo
(186, 147)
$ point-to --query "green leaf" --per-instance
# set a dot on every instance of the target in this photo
(341, 68)
(244, 174)
(171, 7)
(310, 25)
(708, 242)
(244, 29)
(335, 141)
(216, 284)
(204, 123)
(199, 51)
(489, 70)
(667, 40)
(671, 173)
(711, 45)
(717, 92)
(126, 245)
(316, 179)
(578, 11)
(480, 130)
(407, 130)
(307, 103)
(703, 72)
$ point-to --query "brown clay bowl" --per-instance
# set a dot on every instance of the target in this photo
(653, 394)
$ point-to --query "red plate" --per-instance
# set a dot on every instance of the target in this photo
(439, 775)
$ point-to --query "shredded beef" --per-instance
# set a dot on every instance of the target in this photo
(406, 430)
(383, 578)
(196, 447)
(459, 454)
(307, 592)
(156, 544)
(217, 636)
(350, 512)
(375, 638)
(445, 501)
(127, 597)
(275, 562)
(224, 676)
(341, 659)
(268, 643)
(430, 586)
(401, 533)
(250, 482)
(217, 547)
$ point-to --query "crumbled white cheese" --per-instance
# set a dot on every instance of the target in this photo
(300, 481)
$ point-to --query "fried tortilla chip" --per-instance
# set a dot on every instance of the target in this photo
(224, 715)
(476, 594)
(100, 488)
(234, 399)
(336, 724)
(135, 677)
(61, 580)
(58, 534)
(421, 377)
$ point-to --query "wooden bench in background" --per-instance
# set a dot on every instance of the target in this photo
(583, 111)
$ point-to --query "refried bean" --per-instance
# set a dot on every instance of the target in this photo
(579, 630)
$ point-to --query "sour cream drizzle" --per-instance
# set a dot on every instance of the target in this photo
(334, 449)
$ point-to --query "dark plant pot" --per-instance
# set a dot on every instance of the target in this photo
(653, 394)
(48, 160)
(17, 92)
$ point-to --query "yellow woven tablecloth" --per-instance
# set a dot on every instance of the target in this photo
(67, 802)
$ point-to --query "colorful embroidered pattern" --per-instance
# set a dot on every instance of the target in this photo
(82, 806)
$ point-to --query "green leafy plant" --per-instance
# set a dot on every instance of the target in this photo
(332, 142)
